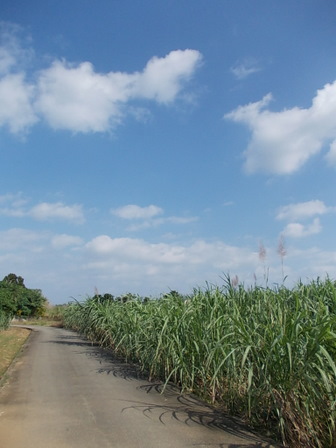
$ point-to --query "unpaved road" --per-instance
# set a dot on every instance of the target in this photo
(65, 393)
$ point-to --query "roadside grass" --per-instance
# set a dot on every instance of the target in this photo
(11, 342)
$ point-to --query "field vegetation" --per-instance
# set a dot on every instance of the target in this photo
(264, 354)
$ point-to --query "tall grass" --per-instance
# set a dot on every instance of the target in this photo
(264, 354)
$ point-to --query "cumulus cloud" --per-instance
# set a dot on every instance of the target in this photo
(79, 99)
(282, 142)
(16, 111)
(162, 78)
(303, 210)
(132, 211)
(76, 97)
(297, 230)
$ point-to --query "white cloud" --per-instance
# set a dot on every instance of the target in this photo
(14, 212)
(246, 68)
(135, 249)
(16, 94)
(181, 219)
(7, 59)
(132, 211)
(331, 155)
(282, 142)
(163, 78)
(80, 100)
(13, 51)
(16, 110)
(217, 254)
(119, 265)
(312, 262)
(64, 240)
(155, 222)
(75, 97)
(20, 239)
(303, 210)
(5, 197)
(297, 230)
(146, 217)
(46, 210)
(16, 200)
(12, 205)
(144, 267)
(16, 206)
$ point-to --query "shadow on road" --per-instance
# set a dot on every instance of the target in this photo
(184, 408)
(72, 340)
(110, 362)
(190, 411)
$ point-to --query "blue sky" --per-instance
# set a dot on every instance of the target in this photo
(155, 145)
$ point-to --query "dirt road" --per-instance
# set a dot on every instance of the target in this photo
(66, 393)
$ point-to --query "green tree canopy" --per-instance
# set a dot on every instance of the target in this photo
(16, 299)
(13, 279)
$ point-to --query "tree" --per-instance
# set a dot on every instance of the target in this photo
(16, 299)
(8, 302)
(13, 279)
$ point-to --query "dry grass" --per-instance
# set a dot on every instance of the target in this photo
(11, 342)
